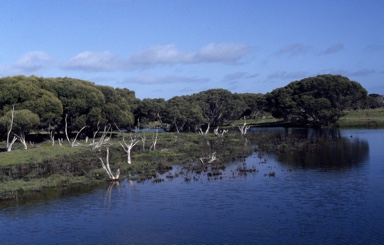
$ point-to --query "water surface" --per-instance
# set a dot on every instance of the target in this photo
(332, 195)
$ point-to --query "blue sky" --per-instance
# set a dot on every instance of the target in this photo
(161, 49)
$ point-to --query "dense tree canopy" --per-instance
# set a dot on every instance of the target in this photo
(182, 114)
(219, 106)
(375, 101)
(45, 102)
(316, 101)
(51, 99)
(25, 93)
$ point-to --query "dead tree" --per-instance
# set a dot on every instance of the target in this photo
(206, 131)
(21, 138)
(154, 140)
(72, 143)
(10, 143)
(107, 168)
(209, 159)
(218, 133)
(244, 128)
(52, 136)
(103, 139)
(128, 147)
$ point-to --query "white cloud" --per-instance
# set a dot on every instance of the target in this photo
(33, 61)
(158, 55)
(93, 61)
(170, 54)
(161, 54)
(224, 52)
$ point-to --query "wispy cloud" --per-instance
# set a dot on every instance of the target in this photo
(355, 73)
(158, 55)
(333, 49)
(233, 77)
(33, 61)
(287, 75)
(293, 50)
(93, 61)
(170, 54)
(161, 54)
(362, 72)
(148, 80)
(225, 52)
(374, 48)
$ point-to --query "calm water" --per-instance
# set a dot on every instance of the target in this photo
(334, 195)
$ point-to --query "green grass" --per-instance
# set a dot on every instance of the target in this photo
(363, 119)
(36, 155)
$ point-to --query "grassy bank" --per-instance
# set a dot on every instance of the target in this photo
(371, 118)
(27, 173)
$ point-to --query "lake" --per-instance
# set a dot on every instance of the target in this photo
(333, 194)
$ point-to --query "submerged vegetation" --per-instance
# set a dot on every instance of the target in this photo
(28, 173)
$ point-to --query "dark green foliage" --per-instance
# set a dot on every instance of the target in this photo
(183, 115)
(219, 106)
(375, 101)
(51, 99)
(316, 101)
(26, 93)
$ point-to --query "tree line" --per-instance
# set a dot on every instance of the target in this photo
(50, 104)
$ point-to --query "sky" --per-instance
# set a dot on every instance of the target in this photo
(167, 48)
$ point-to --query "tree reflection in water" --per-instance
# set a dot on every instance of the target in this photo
(332, 151)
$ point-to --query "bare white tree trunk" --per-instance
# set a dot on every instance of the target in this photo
(72, 143)
(103, 139)
(177, 127)
(128, 147)
(23, 141)
(218, 133)
(107, 168)
(206, 131)
(154, 140)
(209, 159)
(244, 128)
(52, 136)
(10, 143)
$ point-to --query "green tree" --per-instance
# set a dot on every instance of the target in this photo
(24, 121)
(150, 110)
(183, 115)
(375, 101)
(116, 110)
(26, 93)
(219, 106)
(316, 101)
(255, 105)
(82, 101)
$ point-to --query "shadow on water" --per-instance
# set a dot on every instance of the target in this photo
(330, 150)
